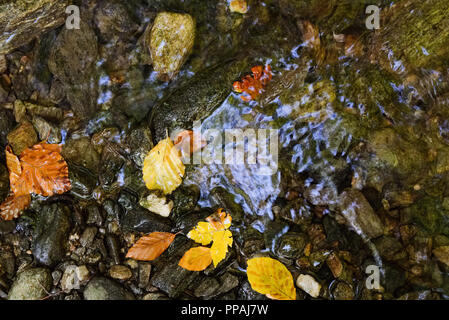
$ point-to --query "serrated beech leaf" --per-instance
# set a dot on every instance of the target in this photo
(162, 168)
(271, 278)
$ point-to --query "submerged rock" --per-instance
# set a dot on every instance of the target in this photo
(100, 288)
(22, 21)
(171, 42)
(31, 284)
(51, 234)
(73, 60)
(359, 214)
(196, 100)
(23, 137)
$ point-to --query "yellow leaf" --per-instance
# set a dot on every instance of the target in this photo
(196, 259)
(270, 277)
(221, 240)
(163, 169)
(202, 233)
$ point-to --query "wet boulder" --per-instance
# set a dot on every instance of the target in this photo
(142, 220)
(196, 100)
(51, 234)
(22, 21)
(73, 60)
(359, 214)
(171, 41)
(169, 276)
(100, 288)
(31, 284)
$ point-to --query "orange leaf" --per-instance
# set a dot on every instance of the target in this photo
(196, 259)
(187, 143)
(151, 246)
(14, 167)
(253, 86)
(44, 171)
(13, 206)
(220, 220)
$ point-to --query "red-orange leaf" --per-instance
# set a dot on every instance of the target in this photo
(13, 206)
(14, 167)
(196, 259)
(253, 86)
(44, 171)
(151, 246)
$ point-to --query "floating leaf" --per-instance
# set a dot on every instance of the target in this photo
(221, 241)
(270, 277)
(14, 167)
(215, 230)
(13, 206)
(204, 231)
(187, 143)
(163, 169)
(196, 259)
(43, 171)
(151, 246)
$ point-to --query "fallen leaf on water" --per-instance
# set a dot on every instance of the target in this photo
(215, 230)
(271, 278)
(204, 231)
(43, 171)
(253, 86)
(13, 206)
(196, 259)
(151, 246)
(187, 143)
(162, 168)
(220, 242)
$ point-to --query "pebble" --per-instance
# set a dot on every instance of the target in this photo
(88, 236)
(120, 272)
(144, 274)
(308, 284)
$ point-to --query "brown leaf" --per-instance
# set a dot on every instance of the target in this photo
(151, 246)
(196, 259)
(44, 171)
(13, 206)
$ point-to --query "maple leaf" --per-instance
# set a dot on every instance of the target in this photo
(13, 206)
(41, 170)
(162, 168)
(151, 246)
(221, 240)
(271, 278)
(215, 230)
(196, 259)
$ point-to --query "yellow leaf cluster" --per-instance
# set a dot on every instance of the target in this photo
(271, 278)
(215, 230)
(162, 168)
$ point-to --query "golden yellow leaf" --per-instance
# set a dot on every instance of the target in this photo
(163, 169)
(151, 246)
(215, 231)
(271, 278)
(196, 259)
(221, 240)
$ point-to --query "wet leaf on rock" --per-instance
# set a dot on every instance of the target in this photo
(163, 169)
(151, 246)
(44, 171)
(271, 278)
(196, 259)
